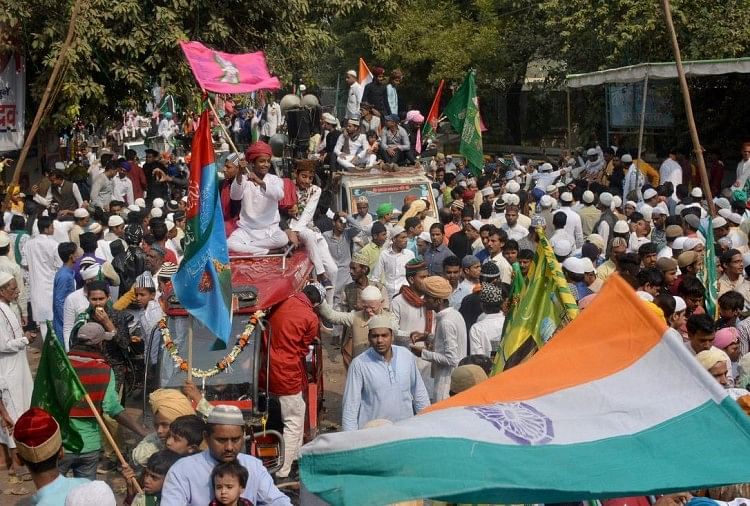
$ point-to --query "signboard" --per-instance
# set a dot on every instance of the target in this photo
(12, 102)
(626, 101)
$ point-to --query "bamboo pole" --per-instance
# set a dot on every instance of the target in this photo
(190, 349)
(570, 135)
(109, 437)
(53, 78)
(688, 108)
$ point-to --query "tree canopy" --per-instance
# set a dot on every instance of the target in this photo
(123, 48)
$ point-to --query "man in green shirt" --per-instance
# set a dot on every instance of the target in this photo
(371, 251)
(99, 381)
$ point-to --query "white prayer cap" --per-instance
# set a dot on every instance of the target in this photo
(719, 222)
(649, 194)
(679, 304)
(658, 210)
(397, 230)
(80, 213)
(566, 197)
(621, 227)
(169, 224)
(233, 158)
(690, 243)
(425, 236)
(573, 265)
(95, 228)
(382, 321)
(588, 197)
(605, 199)
(158, 203)
(487, 191)
(722, 203)
(329, 118)
(587, 265)
(646, 211)
(115, 221)
(4, 239)
(60, 165)
(696, 192)
(616, 201)
(631, 203)
(351, 73)
(724, 212)
(93, 493)
(371, 293)
(5, 278)
(91, 272)
(591, 152)
(476, 224)
(513, 187)
(551, 188)
(140, 203)
(626, 158)
(563, 248)
(546, 201)
(156, 212)
(546, 167)
(134, 208)
(734, 218)
(224, 414)
(679, 243)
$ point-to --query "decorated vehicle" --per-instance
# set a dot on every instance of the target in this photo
(231, 375)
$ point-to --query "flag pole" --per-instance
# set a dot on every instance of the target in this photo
(688, 108)
(190, 349)
(109, 437)
(53, 78)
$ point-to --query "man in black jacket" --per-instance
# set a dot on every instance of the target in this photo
(376, 92)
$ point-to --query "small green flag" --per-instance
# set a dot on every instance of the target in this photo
(57, 388)
(544, 307)
(708, 275)
(463, 113)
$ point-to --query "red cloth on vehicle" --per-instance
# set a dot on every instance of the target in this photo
(294, 326)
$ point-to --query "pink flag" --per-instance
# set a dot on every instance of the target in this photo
(228, 73)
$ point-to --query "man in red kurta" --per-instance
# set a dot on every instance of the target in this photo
(294, 324)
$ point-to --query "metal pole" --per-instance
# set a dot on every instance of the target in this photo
(53, 78)
(688, 108)
(643, 117)
(336, 100)
(570, 138)
(190, 349)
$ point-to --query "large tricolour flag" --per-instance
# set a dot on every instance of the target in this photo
(203, 283)
(613, 406)
(227, 72)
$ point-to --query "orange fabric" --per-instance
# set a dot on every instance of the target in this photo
(615, 331)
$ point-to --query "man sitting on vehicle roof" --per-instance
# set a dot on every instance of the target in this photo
(260, 192)
(395, 142)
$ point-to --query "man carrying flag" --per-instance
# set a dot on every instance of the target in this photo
(463, 113)
(544, 307)
(97, 378)
(203, 282)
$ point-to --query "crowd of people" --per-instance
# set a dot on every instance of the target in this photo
(415, 294)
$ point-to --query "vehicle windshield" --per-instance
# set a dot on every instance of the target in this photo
(239, 376)
(392, 193)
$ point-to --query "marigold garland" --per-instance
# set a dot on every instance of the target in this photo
(222, 364)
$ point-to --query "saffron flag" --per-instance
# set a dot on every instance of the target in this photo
(364, 74)
(203, 282)
(544, 305)
(708, 275)
(57, 388)
(228, 73)
(463, 113)
(431, 122)
(613, 406)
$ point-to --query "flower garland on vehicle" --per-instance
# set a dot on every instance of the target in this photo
(222, 364)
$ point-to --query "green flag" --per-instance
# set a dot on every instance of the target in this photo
(708, 275)
(544, 307)
(463, 113)
(57, 388)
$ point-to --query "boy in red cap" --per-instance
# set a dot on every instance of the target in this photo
(39, 446)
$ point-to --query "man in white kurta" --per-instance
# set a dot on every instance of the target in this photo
(449, 341)
(16, 384)
(391, 266)
(260, 192)
(41, 255)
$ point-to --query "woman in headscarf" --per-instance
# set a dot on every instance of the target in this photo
(166, 404)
